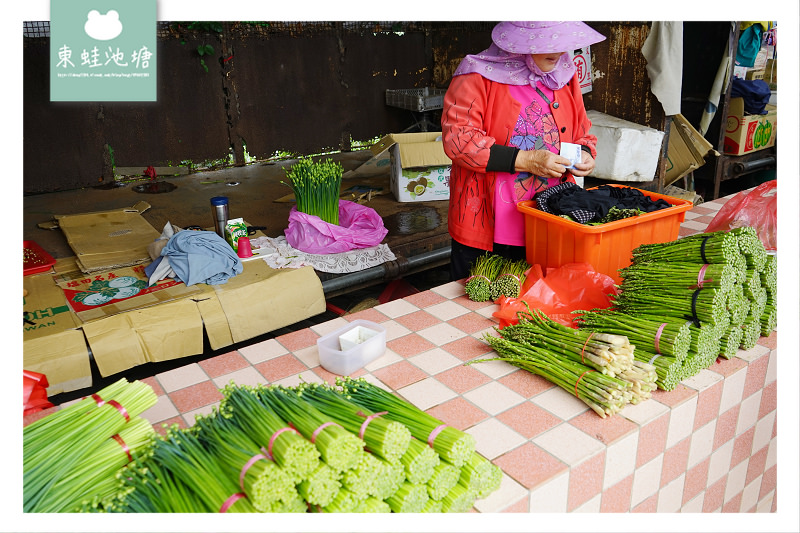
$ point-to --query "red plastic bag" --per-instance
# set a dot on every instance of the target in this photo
(570, 287)
(359, 227)
(34, 392)
(757, 208)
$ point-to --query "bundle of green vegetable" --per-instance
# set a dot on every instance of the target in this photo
(445, 476)
(751, 247)
(419, 462)
(452, 444)
(408, 498)
(459, 500)
(480, 475)
(769, 274)
(266, 484)
(729, 341)
(702, 305)
(338, 447)
(717, 247)
(320, 486)
(568, 366)
(297, 456)
(146, 486)
(93, 479)
(607, 353)
(677, 276)
(389, 479)
(769, 318)
(481, 275)
(362, 479)
(667, 336)
(183, 453)
(49, 451)
(372, 505)
(316, 186)
(509, 279)
(384, 437)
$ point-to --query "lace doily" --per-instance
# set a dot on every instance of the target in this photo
(278, 254)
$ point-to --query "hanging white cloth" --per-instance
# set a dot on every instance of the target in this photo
(718, 88)
(663, 50)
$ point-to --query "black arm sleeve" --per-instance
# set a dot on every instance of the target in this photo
(501, 158)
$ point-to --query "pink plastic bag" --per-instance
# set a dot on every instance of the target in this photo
(359, 227)
(757, 208)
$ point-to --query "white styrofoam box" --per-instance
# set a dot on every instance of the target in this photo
(626, 151)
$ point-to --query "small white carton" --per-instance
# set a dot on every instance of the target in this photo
(626, 151)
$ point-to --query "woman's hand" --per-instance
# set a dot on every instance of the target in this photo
(542, 163)
(585, 166)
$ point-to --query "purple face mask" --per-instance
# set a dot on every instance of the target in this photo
(516, 69)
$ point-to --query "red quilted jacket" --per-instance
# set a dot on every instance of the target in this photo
(478, 113)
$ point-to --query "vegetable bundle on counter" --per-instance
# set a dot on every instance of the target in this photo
(492, 276)
(598, 368)
(349, 447)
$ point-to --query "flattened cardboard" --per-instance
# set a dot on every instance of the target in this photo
(44, 305)
(75, 282)
(263, 299)
(108, 239)
(215, 322)
(61, 356)
(160, 333)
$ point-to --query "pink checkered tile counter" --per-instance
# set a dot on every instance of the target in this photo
(707, 446)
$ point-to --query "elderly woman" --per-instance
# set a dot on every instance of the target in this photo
(505, 115)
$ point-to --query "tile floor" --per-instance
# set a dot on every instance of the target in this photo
(709, 445)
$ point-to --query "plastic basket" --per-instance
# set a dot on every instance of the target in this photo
(35, 259)
(552, 241)
(416, 99)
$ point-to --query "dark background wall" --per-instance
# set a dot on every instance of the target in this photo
(276, 87)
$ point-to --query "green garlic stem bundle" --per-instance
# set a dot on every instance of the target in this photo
(704, 305)
(49, 450)
(676, 275)
(382, 436)
(294, 453)
(182, 453)
(445, 476)
(452, 444)
(509, 279)
(408, 498)
(265, 483)
(316, 187)
(320, 486)
(338, 447)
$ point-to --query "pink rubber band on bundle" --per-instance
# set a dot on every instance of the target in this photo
(98, 400)
(435, 433)
(369, 419)
(118, 407)
(230, 501)
(579, 380)
(478, 276)
(658, 336)
(274, 437)
(584, 345)
(124, 446)
(323, 426)
(247, 466)
(701, 277)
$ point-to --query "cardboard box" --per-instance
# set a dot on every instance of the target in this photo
(420, 170)
(687, 149)
(755, 74)
(749, 133)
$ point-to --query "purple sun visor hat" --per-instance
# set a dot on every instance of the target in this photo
(542, 37)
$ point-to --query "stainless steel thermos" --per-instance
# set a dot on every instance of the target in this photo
(219, 208)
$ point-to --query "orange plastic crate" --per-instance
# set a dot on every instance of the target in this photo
(552, 241)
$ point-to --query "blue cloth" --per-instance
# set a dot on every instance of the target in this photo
(201, 257)
(754, 93)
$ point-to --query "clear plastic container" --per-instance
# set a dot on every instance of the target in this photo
(352, 347)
